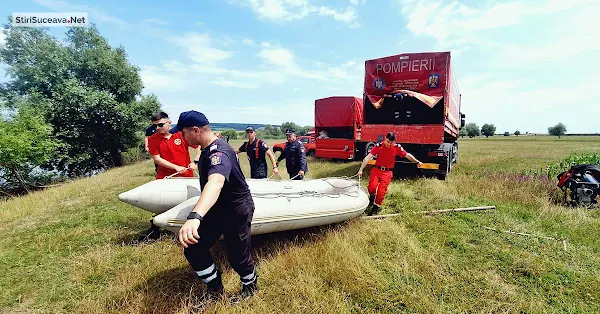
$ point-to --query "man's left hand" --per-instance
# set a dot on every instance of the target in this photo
(275, 170)
(301, 172)
(188, 234)
(193, 165)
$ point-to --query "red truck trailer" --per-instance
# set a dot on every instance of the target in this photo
(414, 95)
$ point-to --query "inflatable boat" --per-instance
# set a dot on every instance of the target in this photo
(279, 205)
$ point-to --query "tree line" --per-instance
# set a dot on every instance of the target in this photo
(472, 130)
(70, 107)
(270, 132)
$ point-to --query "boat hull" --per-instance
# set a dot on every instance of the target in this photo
(282, 205)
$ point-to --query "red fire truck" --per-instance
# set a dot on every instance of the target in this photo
(414, 95)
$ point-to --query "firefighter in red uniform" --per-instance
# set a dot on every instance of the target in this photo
(382, 172)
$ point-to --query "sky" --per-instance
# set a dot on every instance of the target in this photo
(520, 65)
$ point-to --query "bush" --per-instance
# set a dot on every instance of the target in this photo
(552, 170)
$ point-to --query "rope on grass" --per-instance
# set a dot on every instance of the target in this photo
(564, 241)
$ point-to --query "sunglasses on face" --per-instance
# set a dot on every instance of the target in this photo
(160, 125)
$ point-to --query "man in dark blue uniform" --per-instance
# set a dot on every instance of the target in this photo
(257, 149)
(225, 208)
(151, 130)
(295, 156)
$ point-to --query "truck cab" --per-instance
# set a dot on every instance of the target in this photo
(308, 141)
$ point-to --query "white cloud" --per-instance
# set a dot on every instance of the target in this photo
(510, 107)
(155, 21)
(354, 2)
(93, 14)
(229, 83)
(290, 10)
(455, 25)
(248, 42)
(536, 56)
(160, 79)
(200, 49)
(2, 37)
(349, 16)
(278, 56)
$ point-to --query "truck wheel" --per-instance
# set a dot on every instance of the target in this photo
(311, 153)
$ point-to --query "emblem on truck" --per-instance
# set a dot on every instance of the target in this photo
(379, 83)
(434, 80)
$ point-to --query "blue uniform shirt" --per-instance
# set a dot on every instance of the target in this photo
(151, 130)
(220, 158)
(295, 156)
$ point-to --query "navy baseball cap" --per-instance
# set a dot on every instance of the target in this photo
(289, 131)
(189, 119)
(249, 129)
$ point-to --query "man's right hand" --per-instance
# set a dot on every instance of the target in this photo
(188, 234)
(147, 149)
(180, 169)
(359, 173)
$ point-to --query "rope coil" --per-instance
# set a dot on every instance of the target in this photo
(310, 193)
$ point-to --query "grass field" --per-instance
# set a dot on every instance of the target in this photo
(68, 249)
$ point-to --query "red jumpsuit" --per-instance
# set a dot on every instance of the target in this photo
(381, 174)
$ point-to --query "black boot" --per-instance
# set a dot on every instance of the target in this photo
(374, 210)
(249, 289)
(153, 233)
(214, 288)
(369, 207)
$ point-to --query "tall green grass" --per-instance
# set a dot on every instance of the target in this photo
(68, 249)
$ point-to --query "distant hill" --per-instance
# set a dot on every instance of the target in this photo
(235, 126)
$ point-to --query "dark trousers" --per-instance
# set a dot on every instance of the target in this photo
(235, 227)
(258, 173)
(294, 174)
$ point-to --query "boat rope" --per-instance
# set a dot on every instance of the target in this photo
(308, 193)
(176, 173)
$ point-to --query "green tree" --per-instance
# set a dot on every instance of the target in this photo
(25, 143)
(269, 132)
(517, 132)
(488, 130)
(557, 130)
(463, 132)
(290, 125)
(92, 94)
(231, 133)
(472, 129)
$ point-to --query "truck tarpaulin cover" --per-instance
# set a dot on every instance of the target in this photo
(338, 111)
(421, 75)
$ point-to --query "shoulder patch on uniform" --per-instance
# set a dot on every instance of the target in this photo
(265, 145)
(212, 148)
(215, 159)
(398, 145)
(378, 144)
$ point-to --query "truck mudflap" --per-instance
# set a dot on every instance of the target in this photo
(430, 166)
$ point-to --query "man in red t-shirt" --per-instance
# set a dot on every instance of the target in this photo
(170, 151)
(382, 172)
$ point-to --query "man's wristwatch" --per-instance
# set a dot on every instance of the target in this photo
(195, 215)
